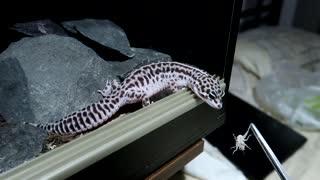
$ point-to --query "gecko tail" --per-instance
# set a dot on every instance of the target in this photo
(41, 126)
(32, 124)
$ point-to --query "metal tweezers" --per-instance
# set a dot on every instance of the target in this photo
(267, 150)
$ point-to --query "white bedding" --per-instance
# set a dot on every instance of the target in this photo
(262, 52)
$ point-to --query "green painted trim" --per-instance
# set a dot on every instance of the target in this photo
(80, 153)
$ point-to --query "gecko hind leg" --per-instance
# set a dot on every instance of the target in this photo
(109, 87)
(145, 102)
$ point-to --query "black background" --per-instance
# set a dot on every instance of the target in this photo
(195, 32)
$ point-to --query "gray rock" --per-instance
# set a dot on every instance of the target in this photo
(18, 144)
(14, 92)
(45, 78)
(142, 57)
(104, 32)
(62, 74)
(38, 28)
(2, 120)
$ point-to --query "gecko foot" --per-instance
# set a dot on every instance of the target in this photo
(109, 87)
(146, 102)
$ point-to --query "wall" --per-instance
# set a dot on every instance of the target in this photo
(307, 15)
(288, 12)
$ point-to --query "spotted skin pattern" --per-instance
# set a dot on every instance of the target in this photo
(140, 85)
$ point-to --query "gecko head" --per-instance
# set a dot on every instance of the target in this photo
(211, 90)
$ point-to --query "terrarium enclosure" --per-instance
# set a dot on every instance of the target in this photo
(54, 58)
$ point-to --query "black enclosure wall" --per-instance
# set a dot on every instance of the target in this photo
(196, 32)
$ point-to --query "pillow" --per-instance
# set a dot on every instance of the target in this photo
(260, 50)
(253, 58)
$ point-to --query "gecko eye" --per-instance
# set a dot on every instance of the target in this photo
(212, 96)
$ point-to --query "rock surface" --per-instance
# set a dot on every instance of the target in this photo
(38, 28)
(104, 32)
(44, 78)
(18, 143)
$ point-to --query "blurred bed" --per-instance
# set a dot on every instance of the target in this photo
(277, 70)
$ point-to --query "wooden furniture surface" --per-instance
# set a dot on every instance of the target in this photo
(178, 162)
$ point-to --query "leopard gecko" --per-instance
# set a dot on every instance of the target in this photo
(140, 85)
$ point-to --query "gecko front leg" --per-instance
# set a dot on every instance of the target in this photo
(175, 89)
